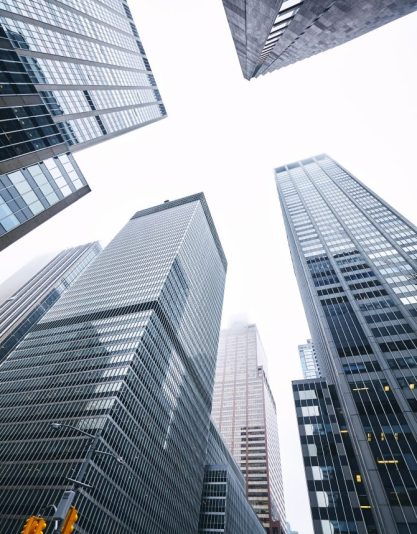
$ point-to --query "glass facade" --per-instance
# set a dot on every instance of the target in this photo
(339, 503)
(32, 195)
(355, 258)
(72, 74)
(24, 308)
(245, 413)
(224, 507)
(128, 355)
(271, 35)
(308, 359)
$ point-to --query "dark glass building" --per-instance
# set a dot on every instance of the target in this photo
(245, 413)
(271, 34)
(72, 74)
(338, 499)
(128, 355)
(31, 195)
(24, 308)
(355, 258)
(224, 506)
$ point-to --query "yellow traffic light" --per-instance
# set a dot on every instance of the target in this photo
(70, 520)
(29, 525)
(34, 525)
(39, 528)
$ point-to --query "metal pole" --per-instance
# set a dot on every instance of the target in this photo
(68, 496)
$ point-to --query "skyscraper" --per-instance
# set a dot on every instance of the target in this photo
(29, 303)
(355, 258)
(245, 413)
(224, 506)
(72, 75)
(271, 34)
(30, 196)
(128, 356)
(308, 359)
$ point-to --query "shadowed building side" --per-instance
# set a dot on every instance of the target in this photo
(271, 34)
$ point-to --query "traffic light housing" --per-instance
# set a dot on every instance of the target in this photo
(70, 520)
(41, 525)
(34, 525)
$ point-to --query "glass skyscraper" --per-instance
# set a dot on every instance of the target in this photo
(31, 195)
(355, 258)
(73, 74)
(128, 355)
(23, 309)
(308, 359)
(245, 413)
(269, 35)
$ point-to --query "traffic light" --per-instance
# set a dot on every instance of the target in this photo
(41, 525)
(70, 520)
(34, 525)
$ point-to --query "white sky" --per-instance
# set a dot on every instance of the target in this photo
(224, 136)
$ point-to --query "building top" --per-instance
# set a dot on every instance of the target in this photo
(299, 163)
(198, 197)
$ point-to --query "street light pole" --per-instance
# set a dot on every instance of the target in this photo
(68, 496)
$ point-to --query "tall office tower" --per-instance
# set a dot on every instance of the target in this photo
(271, 34)
(23, 309)
(224, 506)
(32, 195)
(245, 414)
(355, 259)
(308, 359)
(127, 355)
(72, 75)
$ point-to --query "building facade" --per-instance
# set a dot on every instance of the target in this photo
(308, 359)
(338, 499)
(32, 195)
(271, 34)
(73, 74)
(22, 310)
(127, 355)
(355, 258)
(224, 506)
(244, 411)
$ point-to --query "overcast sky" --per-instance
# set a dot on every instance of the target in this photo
(224, 136)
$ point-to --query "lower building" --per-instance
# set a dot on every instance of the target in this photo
(338, 499)
(224, 506)
(28, 304)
